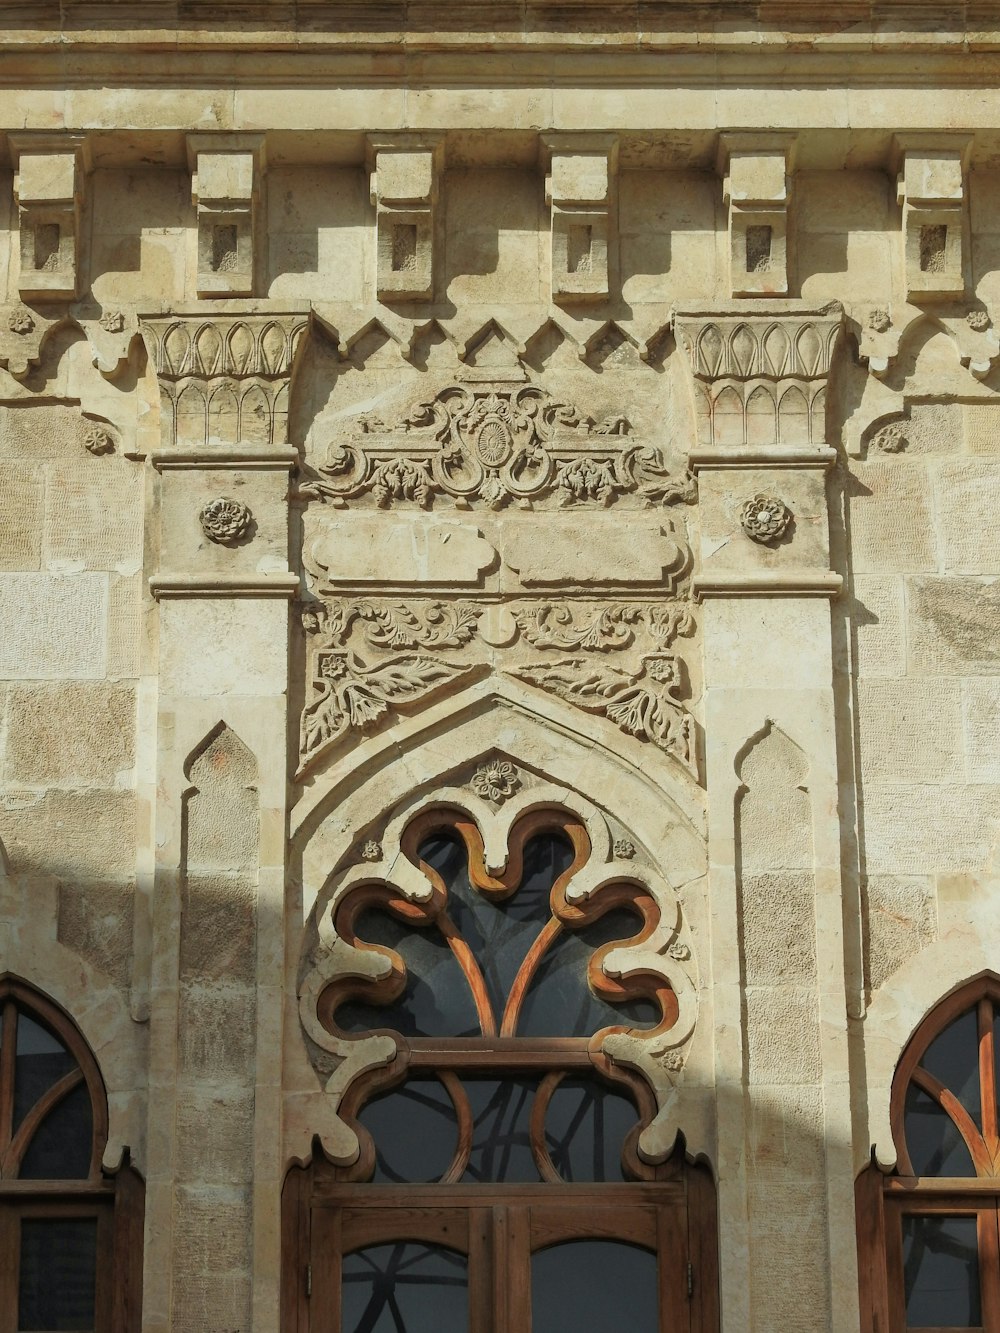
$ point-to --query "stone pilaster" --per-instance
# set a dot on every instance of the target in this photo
(764, 577)
(218, 564)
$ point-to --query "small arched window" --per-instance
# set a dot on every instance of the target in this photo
(929, 1238)
(70, 1236)
(499, 1185)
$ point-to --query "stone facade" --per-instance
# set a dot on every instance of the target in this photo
(502, 405)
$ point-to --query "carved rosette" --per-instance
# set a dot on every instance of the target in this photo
(765, 518)
(225, 521)
(494, 446)
(224, 379)
(760, 377)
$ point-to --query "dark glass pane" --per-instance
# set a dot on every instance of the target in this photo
(415, 1129)
(585, 1128)
(941, 1272)
(590, 1284)
(936, 1148)
(405, 1288)
(560, 1003)
(41, 1061)
(60, 1148)
(500, 933)
(436, 1001)
(57, 1274)
(953, 1057)
(501, 1139)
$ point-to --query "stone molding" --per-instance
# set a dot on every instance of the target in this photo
(768, 583)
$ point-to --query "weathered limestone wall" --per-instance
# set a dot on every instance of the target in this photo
(622, 407)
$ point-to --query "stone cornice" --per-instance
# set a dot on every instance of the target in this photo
(401, 25)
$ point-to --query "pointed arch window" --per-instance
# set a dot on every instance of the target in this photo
(930, 1233)
(499, 1184)
(70, 1235)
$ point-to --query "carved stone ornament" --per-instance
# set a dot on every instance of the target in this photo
(978, 320)
(625, 848)
(20, 321)
(765, 518)
(97, 440)
(760, 376)
(369, 657)
(225, 520)
(879, 319)
(496, 780)
(335, 960)
(112, 321)
(494, 445)
(371, 850)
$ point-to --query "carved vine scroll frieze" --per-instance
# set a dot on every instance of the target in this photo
(369, 657)
(494, 445)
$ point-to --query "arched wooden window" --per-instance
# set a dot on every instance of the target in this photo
(499, 1186)
(929, 1248)
(70, 1236)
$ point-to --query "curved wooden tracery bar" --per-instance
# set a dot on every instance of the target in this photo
(982, 995)
(498, 1051)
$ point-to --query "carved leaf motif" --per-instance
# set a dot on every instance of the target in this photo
(709, 351)
(810, 349)
(640, 703)
(240, 348)
(743, 347)
(354, 694)
(439, 625)
(209, 346)
(551, 626)
(775, 350)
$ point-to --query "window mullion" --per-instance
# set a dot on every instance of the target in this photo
(987, 1077)
(511, 1269)
(8, 1052)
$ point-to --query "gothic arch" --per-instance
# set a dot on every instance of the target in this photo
(350, 823)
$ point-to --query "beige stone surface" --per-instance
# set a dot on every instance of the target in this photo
(449, 308)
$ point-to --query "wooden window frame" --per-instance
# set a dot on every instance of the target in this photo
(114, 1199)
(330, 1210)
(883, 1200)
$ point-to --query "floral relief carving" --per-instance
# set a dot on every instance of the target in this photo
(371, 850)
(765, 518)
(496, 780)
(97, 439)
(890, 439)
(20, 321)
(370, 655)
(112, 321)
(494, 446)
(642, 703)
(624, 848)
(348, 692)
(225, 520)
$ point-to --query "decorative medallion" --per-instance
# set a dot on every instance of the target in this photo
(765, 518)
(978, 321)
(225, 520)
(20, 321)
(113, 321)
(496, 780)
(97, 440)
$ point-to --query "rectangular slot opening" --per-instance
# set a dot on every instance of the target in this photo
(579, 249)
(47, 238)
(933, 248)
(758, 249)
(225, 256)
(404, 247)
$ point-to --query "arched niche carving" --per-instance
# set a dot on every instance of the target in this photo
(352, 835)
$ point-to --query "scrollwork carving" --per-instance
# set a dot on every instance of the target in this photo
(494, 445)
(642, 703)
(369, 655)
